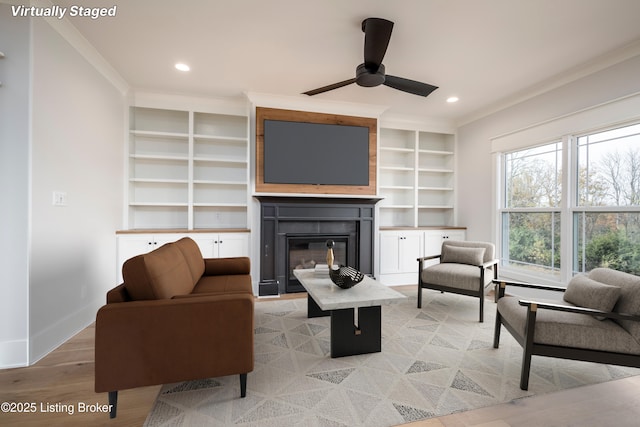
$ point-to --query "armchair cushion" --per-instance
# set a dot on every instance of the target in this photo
(462, 255)
(629, 301)
(585, 292)
(568, 329)
(460, 276)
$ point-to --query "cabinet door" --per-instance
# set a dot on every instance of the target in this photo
(130, 245)
(409, 252)
(233, 245)
(398, 252)
(205, 242)
(389, 252)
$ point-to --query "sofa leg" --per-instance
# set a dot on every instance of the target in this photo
(481, 307)
(113, 403)
(243, 385)
(419, 296)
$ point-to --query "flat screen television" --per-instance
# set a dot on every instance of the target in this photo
(315, 153)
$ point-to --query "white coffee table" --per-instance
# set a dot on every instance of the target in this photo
(351, 332)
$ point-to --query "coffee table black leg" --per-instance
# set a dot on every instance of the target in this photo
(314, 310)
(349, 340)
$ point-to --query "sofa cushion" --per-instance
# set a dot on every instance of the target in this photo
(159, 274)
(585, 292)
(462, 255)
(569, 329)
(193, 257)
(226, 284)
(489, 248)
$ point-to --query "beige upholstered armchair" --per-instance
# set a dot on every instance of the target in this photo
(597, 320)
(465, 268)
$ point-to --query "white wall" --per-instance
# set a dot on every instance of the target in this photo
(62, 130)
(475, 192)
(77, 140)
(14, 188)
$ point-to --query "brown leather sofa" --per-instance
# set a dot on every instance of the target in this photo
(176, 317)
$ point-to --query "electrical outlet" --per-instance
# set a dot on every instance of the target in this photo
(59, 198)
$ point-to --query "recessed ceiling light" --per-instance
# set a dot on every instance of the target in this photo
(452, 99)
(182, 67)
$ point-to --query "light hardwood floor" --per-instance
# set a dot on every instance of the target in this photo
(65, 377)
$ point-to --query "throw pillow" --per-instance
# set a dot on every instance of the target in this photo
(585, 292)
(462, 255)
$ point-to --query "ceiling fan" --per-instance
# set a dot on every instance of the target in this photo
(377, 33)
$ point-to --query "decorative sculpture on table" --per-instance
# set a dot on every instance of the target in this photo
(345, 277)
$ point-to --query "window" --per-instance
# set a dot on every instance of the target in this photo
(594, 210)
(606, 221)
(531, 215)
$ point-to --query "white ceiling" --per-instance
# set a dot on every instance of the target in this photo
(486, 52)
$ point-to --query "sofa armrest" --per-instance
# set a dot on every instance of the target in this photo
(118, 294)
(141, 343)
(534, 305)
(227, 266)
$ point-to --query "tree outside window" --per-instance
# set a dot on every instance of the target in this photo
(604, 188)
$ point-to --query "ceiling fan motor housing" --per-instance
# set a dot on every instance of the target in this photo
(369, 78)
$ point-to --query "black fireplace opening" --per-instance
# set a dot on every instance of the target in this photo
(306, 251)
(294, 231)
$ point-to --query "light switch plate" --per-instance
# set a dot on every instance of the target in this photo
(59, 198)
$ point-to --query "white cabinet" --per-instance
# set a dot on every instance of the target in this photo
(416, 178)
(212, 245)
(187, 170)
(433, 241)
(399, 251)
(130, 245)
(223, 245)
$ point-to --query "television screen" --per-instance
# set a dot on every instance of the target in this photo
(315, 153)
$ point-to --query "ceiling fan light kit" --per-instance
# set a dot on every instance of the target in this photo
(371, 73)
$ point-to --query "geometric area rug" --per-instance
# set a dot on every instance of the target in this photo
(434, 361)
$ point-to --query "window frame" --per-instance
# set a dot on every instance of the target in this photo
(567, 208)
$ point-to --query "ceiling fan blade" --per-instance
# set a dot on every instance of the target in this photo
(410, 86)
(377, 33)
(330, 87)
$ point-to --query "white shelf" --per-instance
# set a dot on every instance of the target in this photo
(158, 204)
(416, 177)
(396, 187)
(398, 149)
(187, 169)
(226, 205)
(231, 139)
(157, 134)
(159, 157)
(214, 160)
(435, 188)
(436, 152)
(433, 170)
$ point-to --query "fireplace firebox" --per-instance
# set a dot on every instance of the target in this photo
(308, 250)
(294, 232)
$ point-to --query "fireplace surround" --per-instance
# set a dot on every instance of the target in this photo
(293, 231)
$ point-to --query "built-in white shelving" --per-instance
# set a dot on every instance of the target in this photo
(416, 178)
(187, 169)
